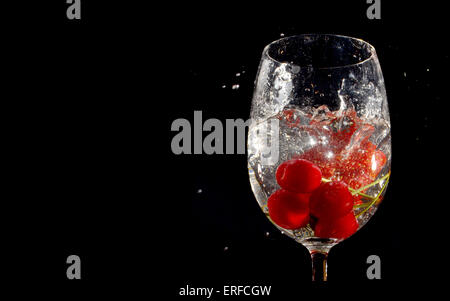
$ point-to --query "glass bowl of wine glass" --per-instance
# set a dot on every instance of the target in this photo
(319, 141)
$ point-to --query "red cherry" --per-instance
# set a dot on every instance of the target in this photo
(289, 210)
(299, 175)
(331, 200)
(340, 228)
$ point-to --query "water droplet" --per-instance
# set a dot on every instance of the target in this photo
(282, 232)
(225, 249)
(238, 74)
(281, 34)
(404, 74)
(199, 190)
(295, 69)
(267, 234)
(428, 69)
(243, 72)
(235, 87)
(224, 86)
(321, 95)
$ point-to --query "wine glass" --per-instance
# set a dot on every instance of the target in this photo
(319, 142)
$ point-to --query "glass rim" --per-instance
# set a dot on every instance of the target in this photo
(370, 47)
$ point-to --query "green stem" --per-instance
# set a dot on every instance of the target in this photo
(361, 194)
(377, 197)
(373, 183)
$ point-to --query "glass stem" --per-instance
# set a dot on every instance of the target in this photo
(319, 265)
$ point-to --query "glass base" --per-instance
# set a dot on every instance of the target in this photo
(316, 244)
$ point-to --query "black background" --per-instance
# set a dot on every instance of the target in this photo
(92, 102)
